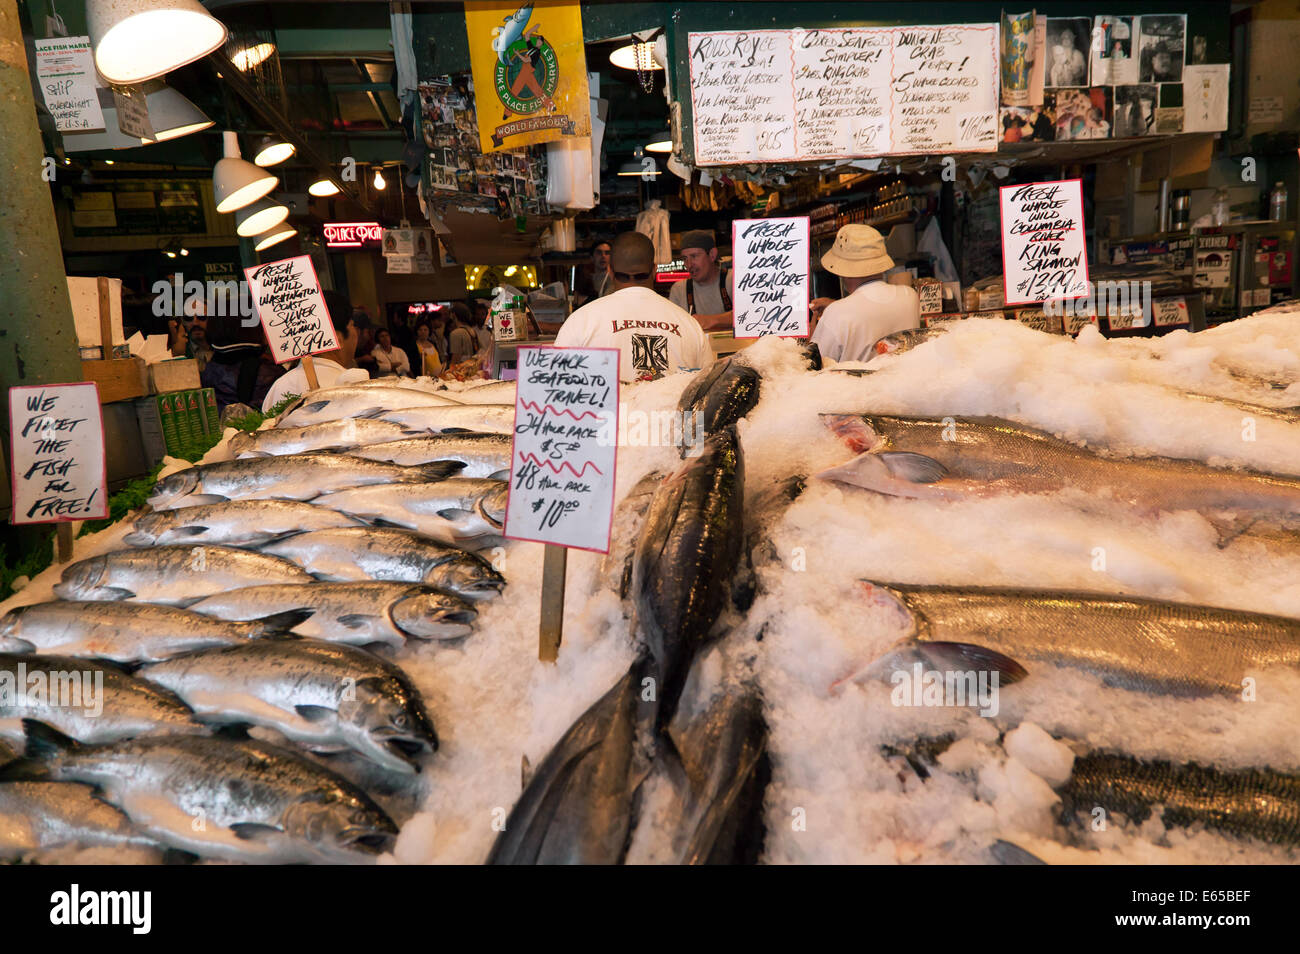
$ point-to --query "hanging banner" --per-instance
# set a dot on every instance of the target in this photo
(1043, 245)
(57, 453)
(770, 266)
(565, 446)
(530, 72)
(292, 308)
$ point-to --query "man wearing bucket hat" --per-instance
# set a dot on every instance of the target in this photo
(705, 294)
(871, 308)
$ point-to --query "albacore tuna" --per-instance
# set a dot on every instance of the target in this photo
(355, 613)
(175, 576)
(717, 397)
(131, 632)
(291, 477)
(258, 802)
(325, 696)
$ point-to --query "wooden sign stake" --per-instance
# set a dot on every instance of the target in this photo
(309, 368)
(63, 537)
(554, 561)
(105, 319)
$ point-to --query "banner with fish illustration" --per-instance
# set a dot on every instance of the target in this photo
(530, 72)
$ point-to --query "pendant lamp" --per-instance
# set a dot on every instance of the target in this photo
(136, 40)
(237, 182)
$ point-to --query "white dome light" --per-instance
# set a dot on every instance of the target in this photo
(237, 182)
(136, 40)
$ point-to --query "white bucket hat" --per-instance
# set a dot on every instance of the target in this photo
(859, 251)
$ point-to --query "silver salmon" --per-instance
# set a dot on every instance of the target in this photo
(449, 510)
(481, 455)
(235, 523)
(332, 435)
(480, 418)
(336, 404)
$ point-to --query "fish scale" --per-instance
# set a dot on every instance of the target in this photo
(1146, 645)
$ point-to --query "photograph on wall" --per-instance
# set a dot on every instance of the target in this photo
(1135, 109)
(1083, 113)
(1022, 58)
(1162, 39)
(1169, 110)
(1068, 41)
(1114, 56)
(1030, 123)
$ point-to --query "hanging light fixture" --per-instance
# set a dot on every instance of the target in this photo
(632, 54)
(636, 167)
(251, 56)
(274, 236)
(379, 182)
(323, 187)
(137, 40)
(660, 142)
(171, 114)
(260, 216)
(273, 150)
(237, 182)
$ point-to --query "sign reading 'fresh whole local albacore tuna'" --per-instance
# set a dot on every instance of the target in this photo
(562, 462)
(292, 308)
(770, 264)
(57, 453)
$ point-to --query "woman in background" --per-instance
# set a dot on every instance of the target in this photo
(462, 343)
(430, 359)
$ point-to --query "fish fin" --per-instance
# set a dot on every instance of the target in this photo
(437, 470)
(449, 430)
(254, 831)
(137, 539)
(455, 513)
(1009, 853)
(281, 623)
(916, 468)
(315, 713)
(383, 522)
(356, 620)
(970, 656)
(24, 770)
(12, 644)
(370, 412)
(500, 474)
(200, 500)
(853, 430)
(44, 741)
(234, 731)
(1229, 529)
(191, 531)
(314, 406)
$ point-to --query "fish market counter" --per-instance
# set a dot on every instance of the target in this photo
(926, 665)
(505, 355)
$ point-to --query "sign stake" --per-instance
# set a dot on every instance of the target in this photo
(309, 369)
(554, 562)
(63, 536)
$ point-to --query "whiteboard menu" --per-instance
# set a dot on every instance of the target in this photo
(797, 95)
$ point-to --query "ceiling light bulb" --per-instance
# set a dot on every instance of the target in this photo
(274, 236)
(251, 56)
(322, 188)
(260, 216)
(171, 114)
(272, 151)
(660, 143)
(627, 56)
(137, 40)
(185, 251)
(237, 182)
(379, 182)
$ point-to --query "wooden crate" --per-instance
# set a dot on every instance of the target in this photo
(118, 379)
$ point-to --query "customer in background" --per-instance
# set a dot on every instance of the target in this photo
(654, 337)
(462, 343)
(241, 370)
(872, 308)
(388, 357)
(333, 368)
(482, 333)
(594, 280)
(705, 294)
(430, 357)
(365, 356)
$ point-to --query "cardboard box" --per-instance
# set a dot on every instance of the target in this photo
(178, 374)
(157, 419)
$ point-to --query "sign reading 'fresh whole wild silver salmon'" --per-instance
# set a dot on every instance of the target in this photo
(57, 453)
(292, 309)
(565, 445)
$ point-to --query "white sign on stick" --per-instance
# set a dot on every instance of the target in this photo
(292, 309)
(57, 451)
(770, 268)
(565, 445)
(1044, 255)
(69, 83)
(133, 113)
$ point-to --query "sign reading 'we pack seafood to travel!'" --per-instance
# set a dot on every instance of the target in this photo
(292, 308)
(565, 443)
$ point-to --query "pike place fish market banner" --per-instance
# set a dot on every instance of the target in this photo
(562, 464)
(798, 95)
(292, 308)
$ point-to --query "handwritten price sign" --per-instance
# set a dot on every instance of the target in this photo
(1043, 249)
(57, 453)
(770, 259)
(562, 469)
(292, 308)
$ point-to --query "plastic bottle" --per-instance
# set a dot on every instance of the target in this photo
(1277, 203)
(1219, 213)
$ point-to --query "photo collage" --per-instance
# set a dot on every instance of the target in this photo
(516, 180)
(1108, 77)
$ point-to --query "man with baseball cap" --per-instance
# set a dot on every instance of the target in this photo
(871, 308)
(704, 294)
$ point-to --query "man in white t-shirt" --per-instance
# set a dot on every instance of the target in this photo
(333, 368)
(872, 308)
(654, 336)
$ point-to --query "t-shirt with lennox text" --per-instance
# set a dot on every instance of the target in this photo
(653, 335)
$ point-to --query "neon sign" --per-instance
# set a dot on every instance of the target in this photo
(352, 234)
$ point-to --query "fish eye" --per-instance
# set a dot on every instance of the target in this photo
(401, 720)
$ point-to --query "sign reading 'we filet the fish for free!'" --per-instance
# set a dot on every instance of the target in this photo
(1043, 245)
(565, 444)
(292, 308)
(57, 453)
